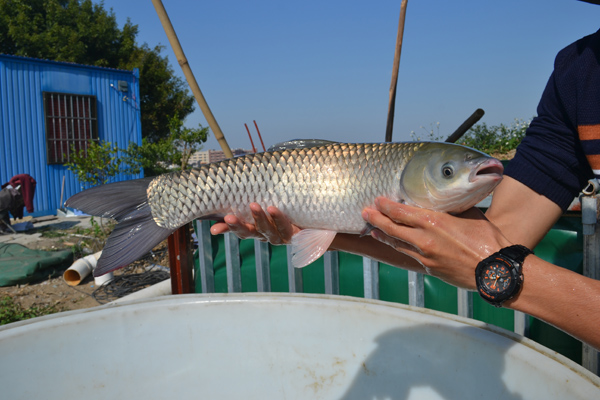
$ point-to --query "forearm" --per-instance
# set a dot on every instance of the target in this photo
(369, 247)
(560, 297)
(522, 215)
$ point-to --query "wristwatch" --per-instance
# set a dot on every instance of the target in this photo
(499, 277)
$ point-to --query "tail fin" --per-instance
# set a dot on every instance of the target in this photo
(135, 234)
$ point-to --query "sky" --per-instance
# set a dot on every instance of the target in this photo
(321, 69)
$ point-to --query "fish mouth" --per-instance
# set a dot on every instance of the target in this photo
(490, 168)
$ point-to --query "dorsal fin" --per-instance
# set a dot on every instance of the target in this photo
(299, 144)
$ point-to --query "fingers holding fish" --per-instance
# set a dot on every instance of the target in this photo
(403, 214)
(399, 245)
(235, 225)
(273, 224)
(393, 229)
(432, 233)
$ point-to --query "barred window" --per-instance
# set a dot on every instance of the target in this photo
(71, 122)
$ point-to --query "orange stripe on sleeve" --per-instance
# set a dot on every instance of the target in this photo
(594, 160)
(589, 132)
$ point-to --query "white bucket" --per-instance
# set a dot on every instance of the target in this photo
(277, 346)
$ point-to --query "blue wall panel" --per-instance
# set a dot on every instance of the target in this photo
(22, 125)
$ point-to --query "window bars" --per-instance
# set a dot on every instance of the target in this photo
(71, 124)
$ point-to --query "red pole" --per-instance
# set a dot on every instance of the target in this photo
(181, 261)
(260, 137)
(250, 136)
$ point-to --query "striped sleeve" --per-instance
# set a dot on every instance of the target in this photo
(590, 142)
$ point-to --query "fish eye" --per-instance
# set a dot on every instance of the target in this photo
(447, 171)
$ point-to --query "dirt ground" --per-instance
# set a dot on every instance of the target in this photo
(55, 292)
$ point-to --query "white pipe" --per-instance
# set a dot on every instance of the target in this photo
(160, 289)
(80, 269)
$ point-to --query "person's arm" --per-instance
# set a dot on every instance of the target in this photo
(450, 247)
(563, 298)
(522, 215)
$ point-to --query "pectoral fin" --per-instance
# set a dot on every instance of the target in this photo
(310, 244)
(367, 230)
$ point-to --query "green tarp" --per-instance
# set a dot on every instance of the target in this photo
(19, 265)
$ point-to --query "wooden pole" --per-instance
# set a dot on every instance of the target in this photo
(392, 104)
(469, 122)
(189, 76)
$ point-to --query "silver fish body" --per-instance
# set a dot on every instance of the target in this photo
(321, 189)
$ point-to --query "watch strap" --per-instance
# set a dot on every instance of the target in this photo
(516, 253)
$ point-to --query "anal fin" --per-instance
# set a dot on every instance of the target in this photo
(310, 244)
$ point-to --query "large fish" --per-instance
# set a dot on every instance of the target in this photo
(321, 189)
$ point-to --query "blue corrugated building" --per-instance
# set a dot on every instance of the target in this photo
(46, 107)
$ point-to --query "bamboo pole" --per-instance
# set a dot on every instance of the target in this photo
(189, 76)
(392, 104)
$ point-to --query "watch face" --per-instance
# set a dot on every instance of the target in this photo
(497, 280)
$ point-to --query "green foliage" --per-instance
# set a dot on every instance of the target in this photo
(152, 155)
(93, 238)
(65, 30)
(430, 135)
(13, 312)
(80, 31)
(187, 140)
(160, 156)
(489, 139)
(97, 163)
(495, 139)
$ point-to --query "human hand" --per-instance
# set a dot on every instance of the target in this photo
(449, 247)
(272, 226)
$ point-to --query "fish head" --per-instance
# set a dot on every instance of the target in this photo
(449, 177)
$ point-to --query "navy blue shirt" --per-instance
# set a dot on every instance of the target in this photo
(563, 141)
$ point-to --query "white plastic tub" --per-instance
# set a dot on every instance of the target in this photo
(277, 346)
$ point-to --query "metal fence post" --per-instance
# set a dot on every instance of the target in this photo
(332, 272)
(591, 263)
(294, 274)
(232, 261)
(205, 256)
(416, 289)
(263, 270)
(371, 278)
(465, 303)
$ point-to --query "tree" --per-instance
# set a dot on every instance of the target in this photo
(65, 30)
(162, 93)
(97, 163)
(186, 140)
(160, 156)
(82, 32)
